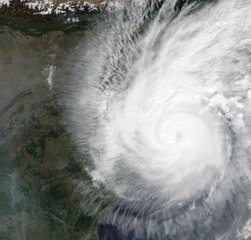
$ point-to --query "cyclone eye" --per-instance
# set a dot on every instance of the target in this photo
(172, 136)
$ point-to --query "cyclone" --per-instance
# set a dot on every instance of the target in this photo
(169, 119)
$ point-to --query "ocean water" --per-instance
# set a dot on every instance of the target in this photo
(131, 124)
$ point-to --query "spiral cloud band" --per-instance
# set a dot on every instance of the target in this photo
(169, 127)
(172, 131)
